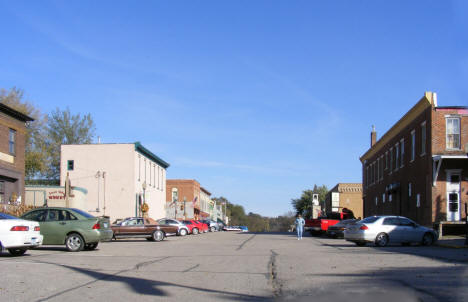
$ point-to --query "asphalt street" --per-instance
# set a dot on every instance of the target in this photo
(236, 267)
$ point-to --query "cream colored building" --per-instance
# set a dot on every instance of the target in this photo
(118, 178)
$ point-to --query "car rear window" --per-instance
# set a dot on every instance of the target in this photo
(370, 219)
(83, 213)
(6, 216)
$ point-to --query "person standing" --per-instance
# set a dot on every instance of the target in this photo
(299, 226)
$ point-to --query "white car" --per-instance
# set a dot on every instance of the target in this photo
(382, 230)
(18, 235)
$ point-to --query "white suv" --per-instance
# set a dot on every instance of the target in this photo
(182, 228)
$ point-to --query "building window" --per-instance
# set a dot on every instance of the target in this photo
(409, 189)
(383, 197)
(402, 154)
(397, 156)
(145, 169)
(423, 138)
(418, 200)
(158, 178)
(376, 200)
(386, 160)
(175, 195)
(367, 176)
(413, 144)
(154, 174)
(2, 192)
(391, 161)
(139, 167)
(70, 165)
(12, 141)
(452, 133)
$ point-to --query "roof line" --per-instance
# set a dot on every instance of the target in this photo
(139, 147)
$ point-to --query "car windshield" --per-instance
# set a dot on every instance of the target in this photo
(6, 216)
(370, 219)
(82, 213)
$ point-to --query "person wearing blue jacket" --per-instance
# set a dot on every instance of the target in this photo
(299, 226)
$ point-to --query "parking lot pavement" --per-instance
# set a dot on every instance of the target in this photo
(236, 267)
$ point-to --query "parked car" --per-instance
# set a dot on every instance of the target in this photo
(212, 225)
(142, 227)
(321, 224)
(182, 229)
(382, 230)
(337, 230)
(18, 235)
(75, 228)
(243, 228)
(232, 228)
(194, 228)
(203, 226)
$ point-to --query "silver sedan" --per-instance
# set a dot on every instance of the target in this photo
(383, 230)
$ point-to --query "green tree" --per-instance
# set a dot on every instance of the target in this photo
(35, 150)
(303, 205)
(65, 128)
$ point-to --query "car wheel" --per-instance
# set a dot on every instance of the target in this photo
(194, 231)
(213, 229)
(428, 239)
(158, 235)
(74, 242)
(381, 239)
(17, 252)
(360, 243)
(183, 232)
(91, 246)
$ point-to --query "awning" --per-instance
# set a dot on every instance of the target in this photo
(437, 162)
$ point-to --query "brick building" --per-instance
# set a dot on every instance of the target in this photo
(345, 195)
(419, 168)
(12, 154)
(190, 198)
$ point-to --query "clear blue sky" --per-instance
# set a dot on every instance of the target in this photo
(257, 100)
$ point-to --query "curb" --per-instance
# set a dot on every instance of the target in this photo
(452, 246)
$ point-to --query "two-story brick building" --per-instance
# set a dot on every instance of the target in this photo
(192, 200)
(12, 154)
(419, 168)
(345, 195)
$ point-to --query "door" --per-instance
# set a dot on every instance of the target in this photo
(410, 230)
(391, 226)
(453, 195)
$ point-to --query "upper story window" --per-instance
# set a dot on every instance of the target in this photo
(423, 138)
(413, 144)
(175, 195)
(386, 160)
(391, 160)
(452, 133)
(70, 165)
(12, 141)
(397, 156)
(402, 153)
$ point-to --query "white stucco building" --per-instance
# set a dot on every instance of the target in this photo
(118, 177)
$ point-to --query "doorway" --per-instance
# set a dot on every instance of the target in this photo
(453, 195)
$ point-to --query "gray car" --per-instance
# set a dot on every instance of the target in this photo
(212, 225)
(383, 230)
(182, 228)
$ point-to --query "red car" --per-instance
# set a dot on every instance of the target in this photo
(193, 226)
(203, 226)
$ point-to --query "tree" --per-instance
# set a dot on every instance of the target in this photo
(303, 205)
(35, 149)
(64, 128)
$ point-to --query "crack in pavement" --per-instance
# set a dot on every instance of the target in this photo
(247, 240)
(192, 268)
(273, 277)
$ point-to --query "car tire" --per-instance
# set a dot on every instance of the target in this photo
(158, 235)
(74, 242)
(213, 229)
(91, 246)
(17, 252)
(381, 240)
(428, 239)
(183, 232)
(360, 243)
(195, 231)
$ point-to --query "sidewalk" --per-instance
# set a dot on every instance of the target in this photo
(456, 242)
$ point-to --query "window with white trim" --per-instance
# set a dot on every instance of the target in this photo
(452, 130)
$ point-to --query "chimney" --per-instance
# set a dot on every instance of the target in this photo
(373, 136)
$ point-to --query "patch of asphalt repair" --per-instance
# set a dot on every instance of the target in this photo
(276, 285)
(245, 241)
